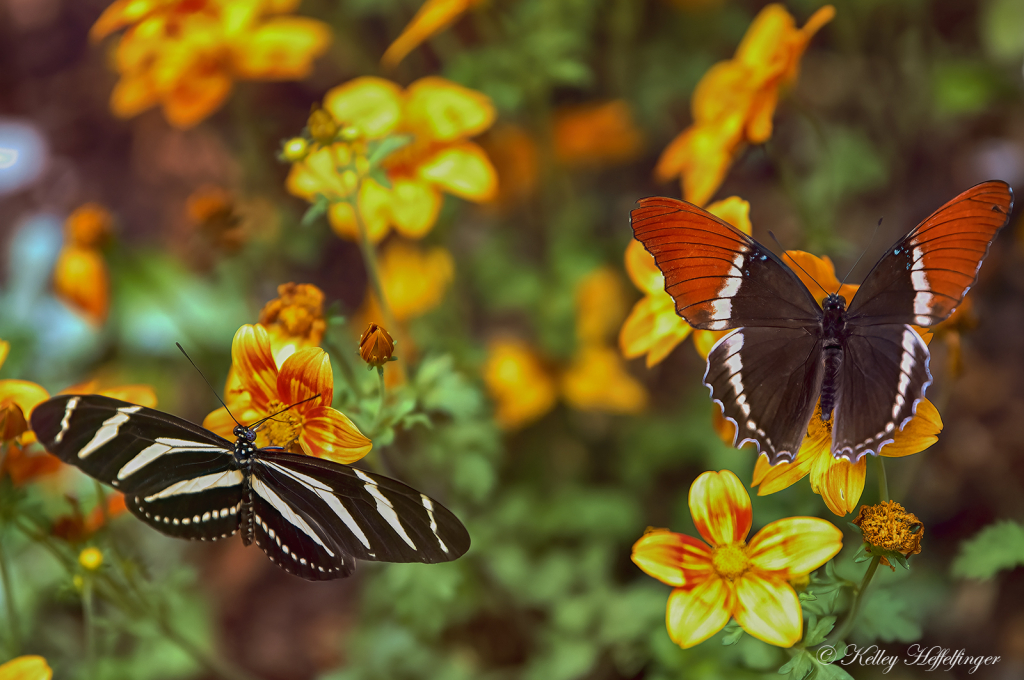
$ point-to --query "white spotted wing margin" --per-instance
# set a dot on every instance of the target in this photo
(177, 477)
(767, 382)
(314, 516)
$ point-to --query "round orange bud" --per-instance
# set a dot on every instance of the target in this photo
(376, 345)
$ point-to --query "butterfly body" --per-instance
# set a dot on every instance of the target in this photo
(865, 364)
(312, 517)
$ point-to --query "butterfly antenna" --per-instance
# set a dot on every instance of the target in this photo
(861, 254)
(785, 253)
(178, 344)
(260, 422)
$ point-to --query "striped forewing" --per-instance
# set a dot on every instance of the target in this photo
(362, 514)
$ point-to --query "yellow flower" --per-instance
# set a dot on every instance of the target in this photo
(26, 668)
(597, 381)
(653, 327)
(17, 399)
(439, 116)
(186, 54)
(80, 275)
(91, 559)
(596, 134)
(730, 578)
(294, 319)
(734, 102)
(414, 280)
(433, 17)
(519, 383)
(312, 427)
(839, 482)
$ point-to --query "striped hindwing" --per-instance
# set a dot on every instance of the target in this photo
(883, 378)
(177, 477)
(719, 277)
(923, 278)
(313, 516)
(767, 381)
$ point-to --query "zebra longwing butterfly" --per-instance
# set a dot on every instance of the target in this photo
(867, 363)
(310, 516)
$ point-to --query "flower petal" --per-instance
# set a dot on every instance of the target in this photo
(432, 17)
(143, 395)
(814, 271)
(222, 423)
(735, 211)
(414, 207)
(921, 432)
(80, 280)
(720, 508)
(328, 433)
(794, 546)
(372, 105)
(281, 49)
(597, 380)
(444, 111)
(195, 96)
(652, 328)
(26, 668)
(768, 610)
(5, 348)
(839, 482)
(463, 170)
(704, 341)
(642, 269)
(132, 95)
(675, 559)
(254, 364)
(695, 615)
(304, 374)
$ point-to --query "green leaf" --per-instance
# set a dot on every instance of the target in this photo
(830, 671)
(996, 547)
(799, 667)
(315, 211)
(818, 629)
(733, 633)
(379, 150)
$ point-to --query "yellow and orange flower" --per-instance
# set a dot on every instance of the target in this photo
(77, 528)
(26, 668)
(731, 578)
(439, 115)
(186, 54)
(522, 387)
(313, 427)
(596, 134)
(653, 327)
(839, 482)
(432, 17)
(734, 102)
(414, 280)
(80, 275)
(294, 319)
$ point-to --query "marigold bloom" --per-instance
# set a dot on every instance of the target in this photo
(597, 380)
(653, 327)
(80, 275)
(726, 577)
(734, 102)
(889, 526)
(312, 427)
(439, 115)
(186, 54)
(520, 384)
(432, 17)
(376, 346)
(294, 319)
(596, 134)
(26, 668)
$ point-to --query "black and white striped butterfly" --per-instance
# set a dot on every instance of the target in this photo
(310, 516)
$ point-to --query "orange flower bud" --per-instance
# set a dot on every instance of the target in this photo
(88, 227)
(376, 345)
(889, 526)
(322, 126)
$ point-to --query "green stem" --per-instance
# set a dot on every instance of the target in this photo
(858, 598)
(883, 484)
(372, 268)
(89, 618)
(14, 623)
(380, 407)
(213, 663)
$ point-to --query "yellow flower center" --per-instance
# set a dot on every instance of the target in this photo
(730, 560)
(284, 428)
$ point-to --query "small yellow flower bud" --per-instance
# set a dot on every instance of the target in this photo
(350, 133)
(349, 180)
(376, 346)
(91, 559)
(295, 149)
(322, 127)
(78, 582)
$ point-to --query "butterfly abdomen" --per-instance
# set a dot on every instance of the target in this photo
(833, 333)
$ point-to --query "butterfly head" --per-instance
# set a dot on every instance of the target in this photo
(834, 302)
(243, 432)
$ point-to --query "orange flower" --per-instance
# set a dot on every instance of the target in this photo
(596, 134)
(734, 102)
(839, 482)
(653, 327)
(312, 427)
(75, 528)
(212, 210)
(26, 668)
(185, 54)
(433, 17)
(294, 319)
(519, 383)
(24, 467)
(80, 275)
(414, 280)
(438, 115)
(597, 380)
(516, 159)
(17, 399)
(731, 578)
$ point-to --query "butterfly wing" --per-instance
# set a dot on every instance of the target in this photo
(314, 516)
(883, 378)
(719, 277)
(923, 278)
(177, 477)
(767, 381)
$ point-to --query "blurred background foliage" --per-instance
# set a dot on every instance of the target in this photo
(898, 107)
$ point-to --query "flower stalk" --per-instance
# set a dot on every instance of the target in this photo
(13, 621)
(858, 597)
